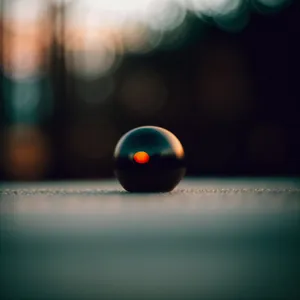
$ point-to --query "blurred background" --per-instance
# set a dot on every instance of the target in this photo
(222, 75)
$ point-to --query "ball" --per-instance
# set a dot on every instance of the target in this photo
(149, 159)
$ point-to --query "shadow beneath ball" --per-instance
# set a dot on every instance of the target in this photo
(153, 182)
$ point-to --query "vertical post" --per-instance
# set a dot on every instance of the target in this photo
(2, 7)
(59, 83)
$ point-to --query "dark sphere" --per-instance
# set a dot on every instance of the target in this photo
(149, 159)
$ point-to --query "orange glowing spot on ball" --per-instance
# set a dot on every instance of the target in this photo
(141, 157)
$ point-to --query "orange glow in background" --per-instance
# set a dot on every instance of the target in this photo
(141, 157)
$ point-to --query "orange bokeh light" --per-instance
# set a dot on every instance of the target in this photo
(141, 157)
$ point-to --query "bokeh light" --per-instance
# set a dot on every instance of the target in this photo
(25, 10)
(99, 67)
(273, 3)
(26, 38)
(96, 34)
(165, 15)
(27, 153)
(235, 21)
(270, 6)
(91, 64)
(99, 32)
(140, 39)
(216, 7)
